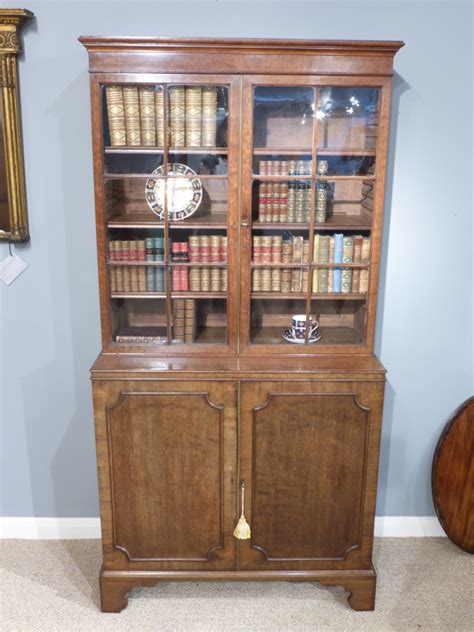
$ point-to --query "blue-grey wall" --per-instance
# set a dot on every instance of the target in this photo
(49, 316)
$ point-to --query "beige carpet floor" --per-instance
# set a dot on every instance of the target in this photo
(423, 584)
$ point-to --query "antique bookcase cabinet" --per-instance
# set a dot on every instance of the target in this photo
(195, 388)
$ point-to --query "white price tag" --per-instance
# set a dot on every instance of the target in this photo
(11, 268)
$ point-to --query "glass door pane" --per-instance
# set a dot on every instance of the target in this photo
(198, 220)
(137, 258)
(282, 194)
(347, 123)
(347, 127)
(166, 207)
(312, 201)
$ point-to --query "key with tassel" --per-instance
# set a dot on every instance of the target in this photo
(242, 529)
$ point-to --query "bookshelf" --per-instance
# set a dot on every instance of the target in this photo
(307, 173)
(239, 189)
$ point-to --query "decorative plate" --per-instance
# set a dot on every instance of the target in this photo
(184, 194)
(288, 336)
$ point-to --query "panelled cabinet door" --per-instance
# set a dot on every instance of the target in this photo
(167, 470)
(309, 461)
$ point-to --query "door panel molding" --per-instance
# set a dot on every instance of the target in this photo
(117, 496)
(349, 406)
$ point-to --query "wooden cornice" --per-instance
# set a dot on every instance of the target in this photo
(208, 44)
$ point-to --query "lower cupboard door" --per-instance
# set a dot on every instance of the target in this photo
(309, 480)
(167, 468)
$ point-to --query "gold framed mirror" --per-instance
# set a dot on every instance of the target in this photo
(13, 210)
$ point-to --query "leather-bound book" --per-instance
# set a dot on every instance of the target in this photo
(324, 244)
(193, 116)
(365, 254)
(116, 116)
(126, 279)
(134, 279)
(296, 274)
(364, 281)
(346, 281)
(160, 117)
(348, 249)
(358, 240)
(338, 246)
(147, 115)
(132, 115)
(119, 279)
(113, 278)
(177, 116)
(141, 278)
(209, 116)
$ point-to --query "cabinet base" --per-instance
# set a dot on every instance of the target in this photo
(115, 585)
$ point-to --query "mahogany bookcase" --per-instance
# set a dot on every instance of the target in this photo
(238, 184)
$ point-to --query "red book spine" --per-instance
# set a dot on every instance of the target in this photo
(175, 251)
(184, 251)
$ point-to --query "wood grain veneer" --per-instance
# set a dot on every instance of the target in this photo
(452, 477)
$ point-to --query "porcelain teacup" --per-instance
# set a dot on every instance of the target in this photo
(298, 326)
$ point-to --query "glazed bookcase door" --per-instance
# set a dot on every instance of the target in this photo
(168, 149)
(308, 462)
(312, 203)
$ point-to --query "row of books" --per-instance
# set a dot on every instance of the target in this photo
(324, 280)
(327, 249)
(205, 280)
(136, 116)
(343, 280)
(143, 279)
(198, 249)
(140, 340)
(291, 167)
(184, 320)
(207, 248)
(150, 249)
(283, 280)
(340, 248)
(337, 248)
(138, 279)
(291, 202)
(275, 249)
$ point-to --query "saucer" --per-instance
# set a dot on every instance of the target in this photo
(288, 336)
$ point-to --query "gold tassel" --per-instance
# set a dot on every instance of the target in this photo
(242, 529)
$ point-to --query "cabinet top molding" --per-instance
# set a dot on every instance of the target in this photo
(339, 47)
(139, 55)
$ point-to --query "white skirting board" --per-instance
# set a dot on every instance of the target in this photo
(89, 528)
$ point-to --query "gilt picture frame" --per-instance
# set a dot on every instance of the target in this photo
(13, 207)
